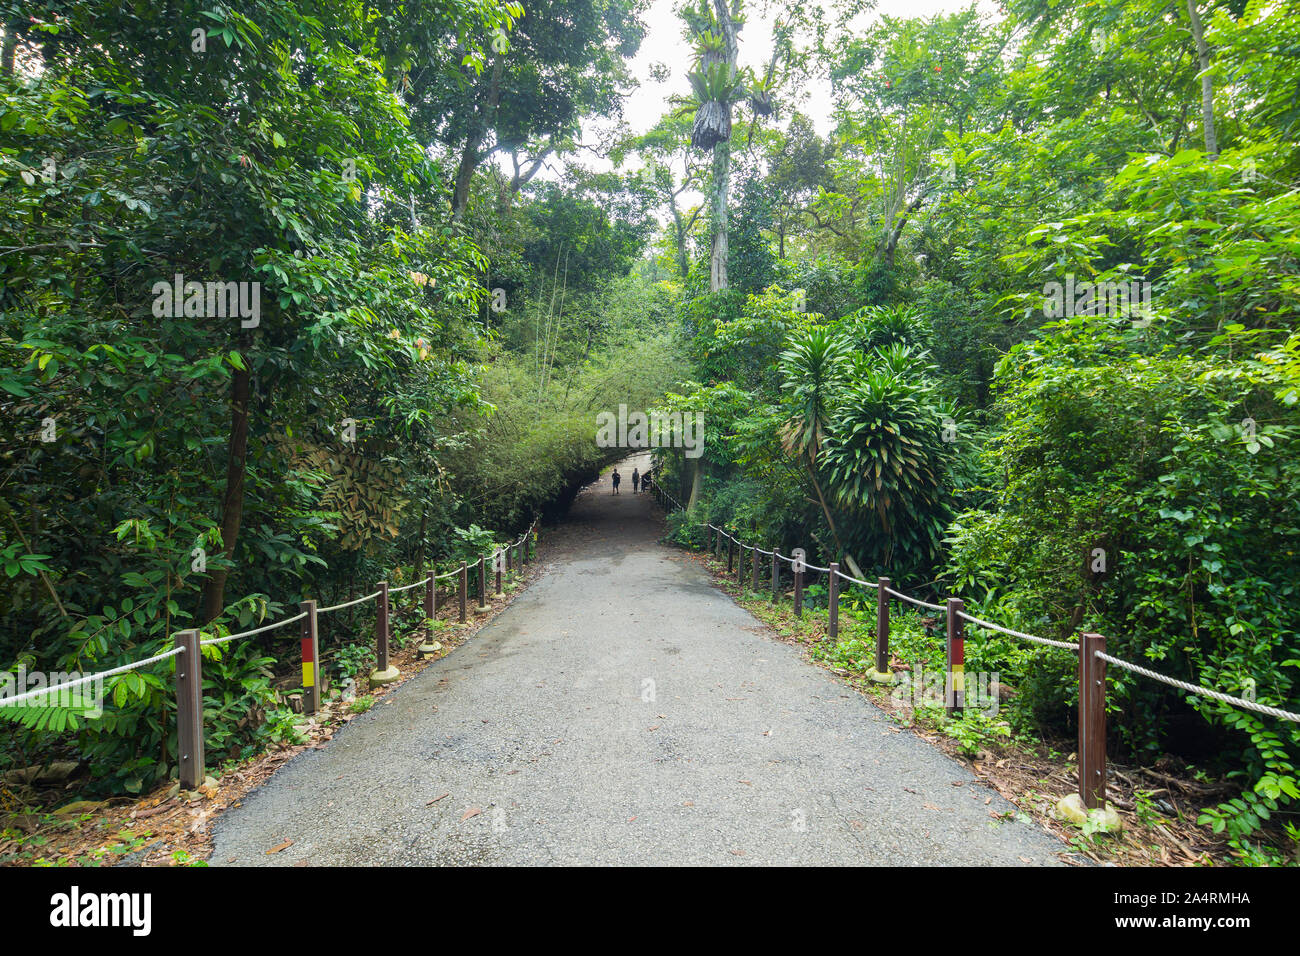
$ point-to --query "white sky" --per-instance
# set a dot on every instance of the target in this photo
(664, 44)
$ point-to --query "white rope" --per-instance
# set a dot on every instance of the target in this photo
(1202, 691)
(1067, 645)
(46, 691)
(339, 607)
(269, 627)
(447, 574)
(911, 600)
(407, 587)
(865, 584)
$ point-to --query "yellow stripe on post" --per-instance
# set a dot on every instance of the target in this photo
(308, 674)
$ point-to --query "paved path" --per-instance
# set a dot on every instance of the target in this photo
(746, 754)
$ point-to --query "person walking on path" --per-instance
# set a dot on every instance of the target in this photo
(636, 478)
(617, 478)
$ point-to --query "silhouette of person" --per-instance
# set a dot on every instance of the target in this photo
(636, 478)
(617, 478)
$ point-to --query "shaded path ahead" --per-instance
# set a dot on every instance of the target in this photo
(543, 723)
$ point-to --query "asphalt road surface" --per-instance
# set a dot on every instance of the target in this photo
(623, 711)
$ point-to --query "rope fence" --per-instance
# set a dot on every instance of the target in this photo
(213, 641)
(1091, 648)
(188, 645)
(80, 681)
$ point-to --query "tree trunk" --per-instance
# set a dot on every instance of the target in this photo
(232, 506)
(1207, 83)
(470, 156)
(697, 482)
(722, 158)
(718, 253)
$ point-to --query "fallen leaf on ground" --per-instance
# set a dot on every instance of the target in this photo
(280, 846)
(471, 812)
(436, 799)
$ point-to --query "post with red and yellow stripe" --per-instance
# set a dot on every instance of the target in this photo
(310, 659)
(955, 691)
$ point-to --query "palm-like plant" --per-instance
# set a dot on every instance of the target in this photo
(814, 368)
(878, 326)
(885, 458)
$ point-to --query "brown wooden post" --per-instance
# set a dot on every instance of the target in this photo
(753, 570)
(510, 557)
(381, 629)
(310, 659)
(955, 680)
(731, 554)
(464, 591)
(882, 626)
(1092, 721)
(482, 583)
(798, 589)
(740, 567)
(189, 710)
(499, 562)
(428, 647)
(833, 602)
(776, 577)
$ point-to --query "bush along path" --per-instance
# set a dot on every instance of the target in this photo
(172, 826)
(912, 665)
(624, 711)
(1157, 810)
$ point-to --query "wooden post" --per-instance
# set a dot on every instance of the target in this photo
(955, 682)
(464, 590)
(189, 710)
(776, 577)
(510, 554)
(798, 589)
(428, 648)
(731, 554)
(833, 602)
(381, 628)
(740, 568)
(482, 583)
(753, 571)
(310, 659)
(882, 626)
(383, 673)
(1092, 721)
(499, 561)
